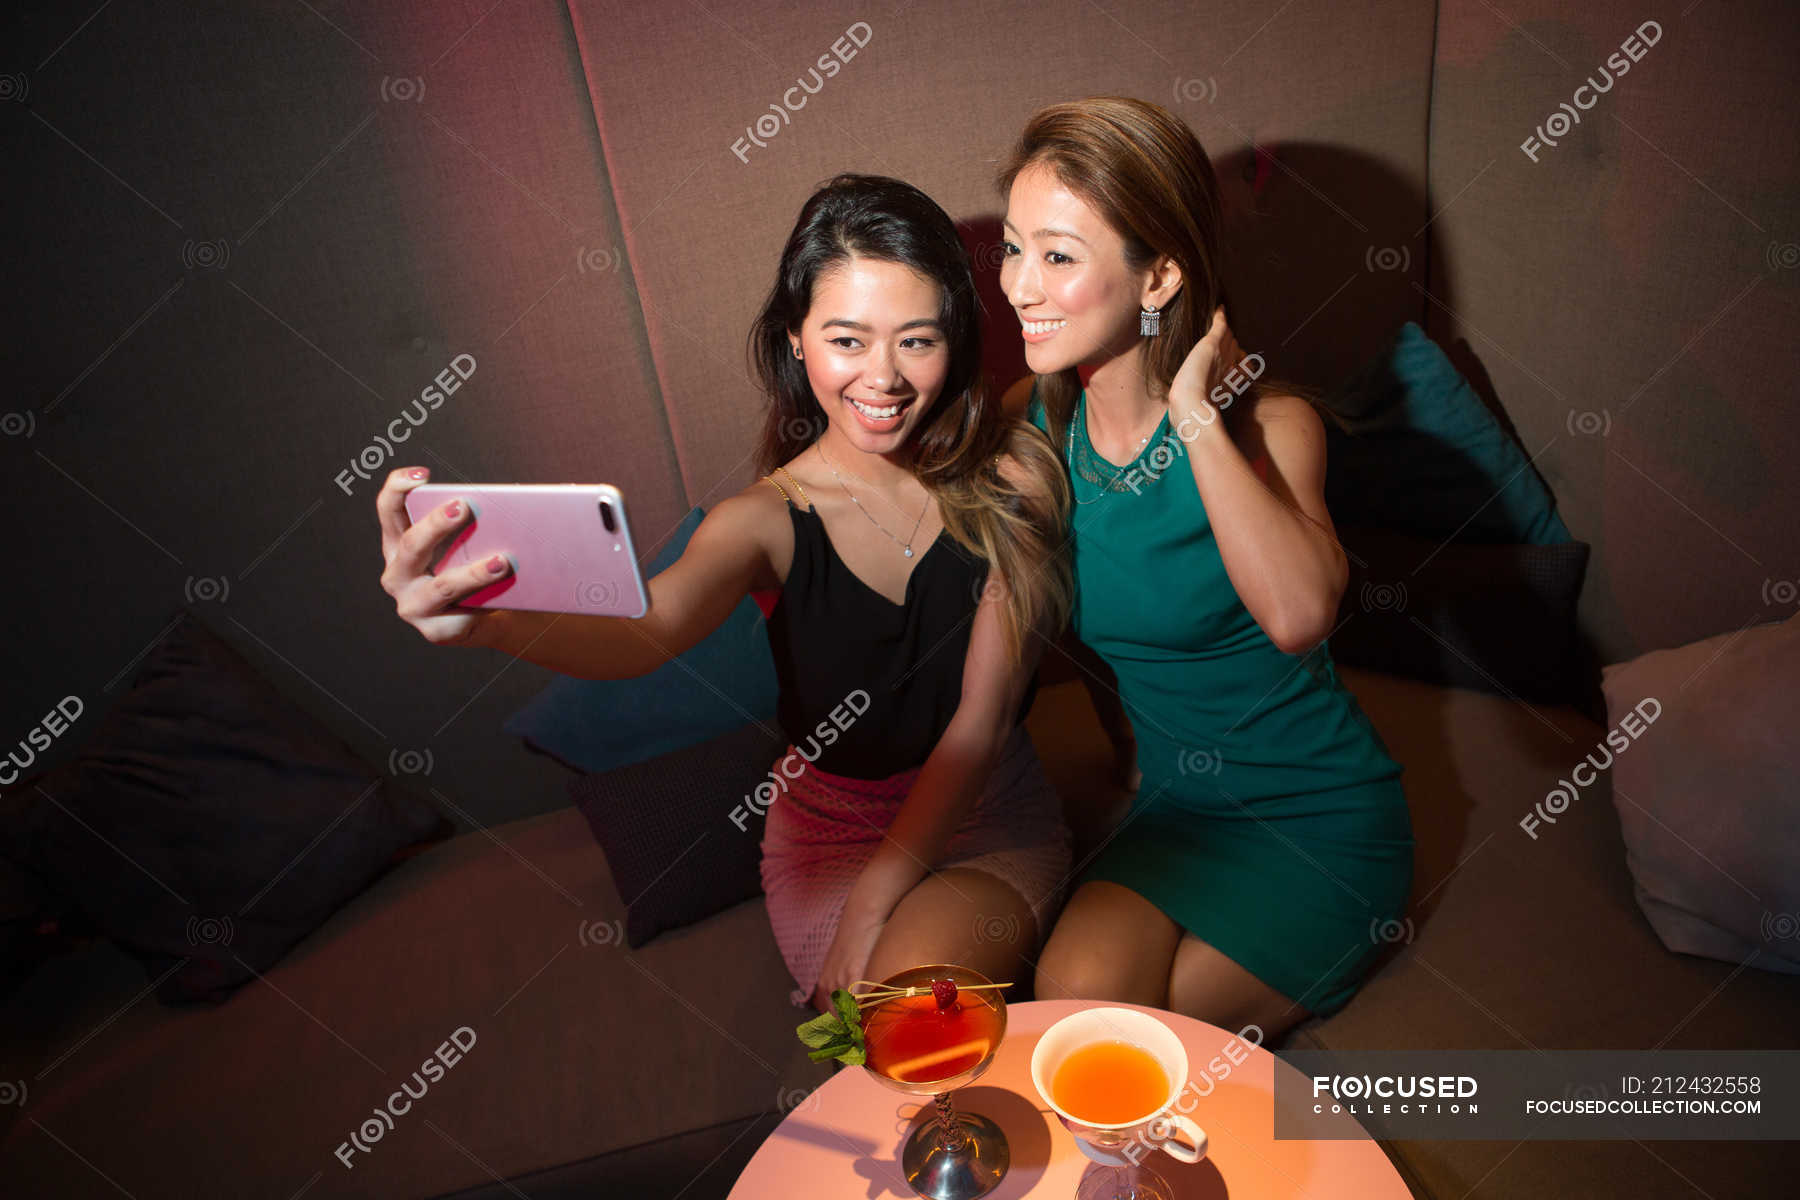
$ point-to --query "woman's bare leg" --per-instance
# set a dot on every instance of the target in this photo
(1205, 984)
(1112, 944)
(961, 915)
(1109, 944)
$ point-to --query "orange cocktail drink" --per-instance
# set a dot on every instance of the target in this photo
(913, 1042)
(1109, 1082)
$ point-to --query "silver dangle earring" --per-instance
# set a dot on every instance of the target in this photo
(1150, 321)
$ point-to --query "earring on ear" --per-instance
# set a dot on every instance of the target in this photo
(797, 353)
(1149, 321)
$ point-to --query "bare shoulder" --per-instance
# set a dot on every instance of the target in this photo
(1282, 437)
(749, 525)
(1277, 420)
(752, 512)
(1280, 406)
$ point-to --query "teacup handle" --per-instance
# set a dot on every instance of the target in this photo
(1163, 1129)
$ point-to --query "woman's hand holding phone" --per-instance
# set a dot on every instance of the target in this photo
(425, 601)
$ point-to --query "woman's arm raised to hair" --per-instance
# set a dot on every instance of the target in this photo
(721, 564)
(1265, 499)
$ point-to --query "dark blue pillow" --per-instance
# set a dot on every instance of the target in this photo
(1419, 453)
(599, 724)
(691, 807)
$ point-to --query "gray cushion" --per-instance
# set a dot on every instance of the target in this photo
(207, 823)
(1708, 795)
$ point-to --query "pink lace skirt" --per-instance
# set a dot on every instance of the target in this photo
(824, 828)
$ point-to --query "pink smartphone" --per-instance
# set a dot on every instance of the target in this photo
(569, 545)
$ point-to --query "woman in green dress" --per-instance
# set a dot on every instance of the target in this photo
(1267, 856)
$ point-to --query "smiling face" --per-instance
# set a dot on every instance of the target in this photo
(1066, 277)
(875, 353)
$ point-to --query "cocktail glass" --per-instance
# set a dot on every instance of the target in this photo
(917, 1047)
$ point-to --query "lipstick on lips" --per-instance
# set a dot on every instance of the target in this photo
(1038, 331)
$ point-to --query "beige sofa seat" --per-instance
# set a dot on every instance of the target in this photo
(582, 1046)
(1516, 942)
(683, 1051)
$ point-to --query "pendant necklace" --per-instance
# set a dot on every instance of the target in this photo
(906, 546)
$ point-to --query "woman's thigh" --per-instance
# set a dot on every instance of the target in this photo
(960, 915)
(1113, 944)
(1110, 943)
(1206, 984)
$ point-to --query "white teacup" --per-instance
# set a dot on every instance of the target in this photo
(1123, 1144)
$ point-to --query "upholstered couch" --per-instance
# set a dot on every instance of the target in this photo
(647, 1071)
(569, 192)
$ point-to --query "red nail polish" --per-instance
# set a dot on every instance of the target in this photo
(455, 510)
(496, 564)
(417, 472)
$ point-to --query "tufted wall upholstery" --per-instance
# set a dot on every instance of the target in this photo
(246, 238)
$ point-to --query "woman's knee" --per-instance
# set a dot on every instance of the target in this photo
(957, 915)
(1109, 944)
(1069, 972)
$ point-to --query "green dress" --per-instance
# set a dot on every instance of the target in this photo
(1270, 822)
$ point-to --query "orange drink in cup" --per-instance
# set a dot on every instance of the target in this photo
(1112, 1075)
(1108, 1082)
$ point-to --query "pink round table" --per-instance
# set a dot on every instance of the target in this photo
(844, 1139)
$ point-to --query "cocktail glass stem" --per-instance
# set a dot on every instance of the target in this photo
(1133, 1182)
(951, 1134)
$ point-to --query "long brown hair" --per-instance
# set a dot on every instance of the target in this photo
(955, 451)
(1144, 172)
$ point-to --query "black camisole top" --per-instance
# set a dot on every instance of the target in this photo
(868, 686)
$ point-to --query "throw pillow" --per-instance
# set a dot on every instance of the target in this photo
(1414, 449)
(1496, 618)
(682, 833)
(1707, 789)
(600, 724)
(208, 823)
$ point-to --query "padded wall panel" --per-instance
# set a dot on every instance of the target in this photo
(521, 250)
(935, 96)
(1632, 293)
(252, 236)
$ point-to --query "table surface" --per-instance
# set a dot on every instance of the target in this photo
(844, 1138)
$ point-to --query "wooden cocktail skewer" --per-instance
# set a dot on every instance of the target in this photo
(883, 994)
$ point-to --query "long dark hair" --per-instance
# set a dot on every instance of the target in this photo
(956, 448)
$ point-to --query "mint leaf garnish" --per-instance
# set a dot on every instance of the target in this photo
(837, 1034)
(821, 1030)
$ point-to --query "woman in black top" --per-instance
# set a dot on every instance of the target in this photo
(913, 536)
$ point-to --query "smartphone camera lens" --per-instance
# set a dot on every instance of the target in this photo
(606, 517)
